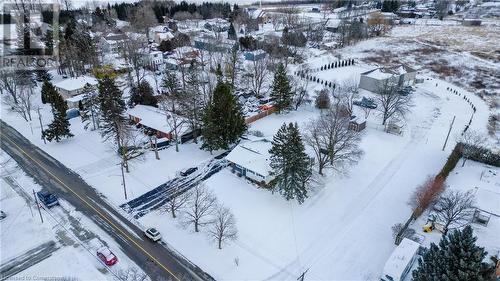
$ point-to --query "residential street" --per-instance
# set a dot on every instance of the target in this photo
(159, 262)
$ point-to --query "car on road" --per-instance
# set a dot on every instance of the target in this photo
(153, 234)
(189, 171)
(366, 102)
(107, 256)
(3, 215)
(48, 199)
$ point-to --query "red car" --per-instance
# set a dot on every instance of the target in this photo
(107, 256)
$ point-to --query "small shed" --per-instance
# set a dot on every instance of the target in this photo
(357, 124)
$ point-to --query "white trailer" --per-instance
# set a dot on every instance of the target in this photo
(401, 261)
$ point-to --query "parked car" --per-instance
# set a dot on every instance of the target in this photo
(153, 234)
(48, 199)
(3, 215)
(107, 256)
(366, 102)
(405, 91)
(189, 171)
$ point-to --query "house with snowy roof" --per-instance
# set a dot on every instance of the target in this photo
(401, 74)
(251, 159)
(72, 87)
(156, 121)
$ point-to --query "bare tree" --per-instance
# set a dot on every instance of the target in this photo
(24, 103)
(131, 274)
(276, 20)
(426, 194)
(409, 233)
(133, 53)
(223, 227)
(454, 208)
(260, 75)
(347, 93)
(143, 18)
(199, 207)
(231, 66)
(176, 203)
(472, 141)
(377, 24)
(334, 144)
(8, 84)
(392, 103)
(299, 87)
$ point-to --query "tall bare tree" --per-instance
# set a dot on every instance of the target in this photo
(199, 207)
(472, 141)
(334, 144)
(392, 102)
(223, 227)
(8, 84)
(134, 55)
(454, 208)
(176, 203)
(144, 18)
(259, 75)
(347, 93)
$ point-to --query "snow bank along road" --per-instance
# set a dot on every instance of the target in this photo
(158, 262)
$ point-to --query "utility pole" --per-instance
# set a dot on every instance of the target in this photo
(123, 181)
(449, 131)
(41, 125)
(303, 275)
(38, 205)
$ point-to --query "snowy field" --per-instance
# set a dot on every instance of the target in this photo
(22, 230)
(333, 233)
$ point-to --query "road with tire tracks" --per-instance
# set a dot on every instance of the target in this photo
(158, 261)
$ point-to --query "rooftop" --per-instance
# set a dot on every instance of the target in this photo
(253, 155)
(76, 83)
(400, 257)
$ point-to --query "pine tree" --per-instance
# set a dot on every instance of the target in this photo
(457, 258)
(49, 92)
(142, 94)
(90, 107)
(59, 127)
(281, 90)
(291, 165)
(223, 122)
(193, 104)
(113, 123)
(231, 33)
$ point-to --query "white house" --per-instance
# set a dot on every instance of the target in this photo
(401, 261)
(71, 87)
(374, 79)
(112, 43)
(251, 159)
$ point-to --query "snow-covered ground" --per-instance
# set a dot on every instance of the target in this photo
(76, 238)
(333, 233)
(484, 181)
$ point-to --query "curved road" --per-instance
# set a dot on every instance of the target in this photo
(157, 261)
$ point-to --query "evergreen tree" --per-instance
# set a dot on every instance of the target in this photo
(90, 107)
(281, 90)
(291, 165)
(142, 94)
(223, 122)
(113, 123)
(59, 127)
(457, 258)
(231, 33)
(49, 92)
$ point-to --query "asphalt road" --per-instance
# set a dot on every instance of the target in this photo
(157, 261)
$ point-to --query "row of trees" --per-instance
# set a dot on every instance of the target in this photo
(199, 208)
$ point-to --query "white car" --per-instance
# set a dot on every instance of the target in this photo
(152, 234)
